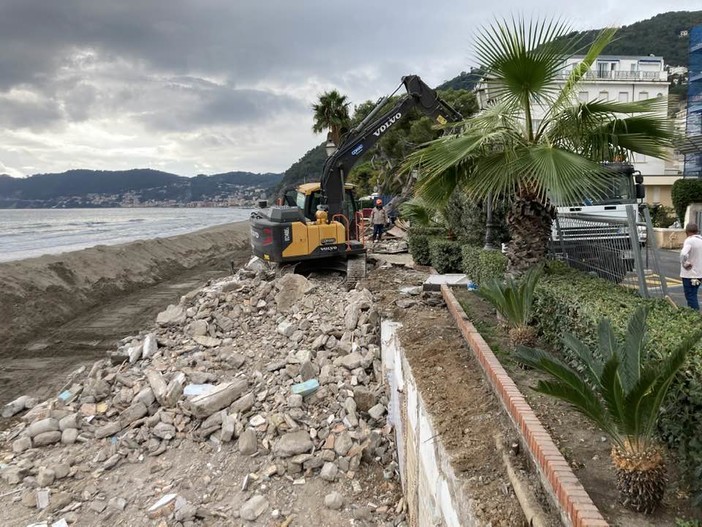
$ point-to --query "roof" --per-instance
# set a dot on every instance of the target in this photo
(619, 57)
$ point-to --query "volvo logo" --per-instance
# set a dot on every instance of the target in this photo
(387, 124)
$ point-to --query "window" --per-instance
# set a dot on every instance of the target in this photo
(643, 95)
(604, 95)
(583, 96)
(623, 96)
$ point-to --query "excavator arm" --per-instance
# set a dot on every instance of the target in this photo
(362, 138)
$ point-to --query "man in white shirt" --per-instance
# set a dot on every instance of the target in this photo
(691, 264)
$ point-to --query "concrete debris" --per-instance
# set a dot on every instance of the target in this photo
(253, 508)
(334, 501)
(279, 372)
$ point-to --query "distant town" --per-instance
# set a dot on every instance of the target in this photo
(240, 197)
(134, 188)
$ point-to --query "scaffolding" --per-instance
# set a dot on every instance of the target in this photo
(693, 129)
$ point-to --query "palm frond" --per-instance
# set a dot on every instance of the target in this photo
(563, 174)
(521, 59)
(514, 299)
(666, 373)
(631, 352)
(592, 366)
(607, 339)
(603, 38)
(612, 393)
(568, 386)
(418, 212)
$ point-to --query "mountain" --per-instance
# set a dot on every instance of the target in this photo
(665, 35)
(110, 188)
(308, 168)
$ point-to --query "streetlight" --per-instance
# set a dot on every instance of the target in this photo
(489, 226)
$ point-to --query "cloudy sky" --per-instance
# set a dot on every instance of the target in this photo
(208, 86)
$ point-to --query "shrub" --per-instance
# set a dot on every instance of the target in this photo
(662, 216)
(418, 243)
(492, 265)
(445, 255)
(469, 261)
(482, 266)
(569, 301)
(468, 218)
(685, 191)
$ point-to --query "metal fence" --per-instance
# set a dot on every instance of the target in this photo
(615, 249)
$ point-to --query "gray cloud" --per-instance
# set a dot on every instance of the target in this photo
(185, 76)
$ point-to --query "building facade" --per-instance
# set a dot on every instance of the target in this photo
(623, 79)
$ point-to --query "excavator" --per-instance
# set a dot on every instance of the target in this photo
(318, 225)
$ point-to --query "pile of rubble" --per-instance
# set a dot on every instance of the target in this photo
(247, 392)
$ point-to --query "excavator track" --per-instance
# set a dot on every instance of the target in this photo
(355, 270)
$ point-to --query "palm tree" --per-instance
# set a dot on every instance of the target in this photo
(505, 151)
(331, 113)
(621, 390)
(514, 300)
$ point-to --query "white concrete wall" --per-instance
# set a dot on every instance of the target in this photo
(434, 495)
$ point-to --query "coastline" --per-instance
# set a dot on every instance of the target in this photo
(60, 312)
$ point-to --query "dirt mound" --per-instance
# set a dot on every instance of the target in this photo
(41, 293)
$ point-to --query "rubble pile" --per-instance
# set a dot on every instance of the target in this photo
(244, 394)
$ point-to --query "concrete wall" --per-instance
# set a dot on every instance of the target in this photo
(669, 238)
(434, 495)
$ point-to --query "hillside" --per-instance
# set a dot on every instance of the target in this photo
(660, 36)
(113, 188)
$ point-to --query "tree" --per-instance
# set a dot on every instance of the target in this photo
(505, 151)
(618, 387)
(331, 113)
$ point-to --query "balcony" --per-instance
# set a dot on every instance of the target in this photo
(646, 76)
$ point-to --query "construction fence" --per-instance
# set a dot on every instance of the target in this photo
(615, 249)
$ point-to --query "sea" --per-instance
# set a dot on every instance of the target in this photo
(26, 233)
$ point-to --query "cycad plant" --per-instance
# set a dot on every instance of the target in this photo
(514, 300)
(621, 389)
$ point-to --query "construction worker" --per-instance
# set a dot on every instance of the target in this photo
(378, 219)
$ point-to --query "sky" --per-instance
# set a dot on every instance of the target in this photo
(209, 86)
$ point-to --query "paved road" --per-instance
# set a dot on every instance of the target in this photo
(670, 267)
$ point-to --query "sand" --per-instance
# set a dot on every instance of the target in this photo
(59, 311)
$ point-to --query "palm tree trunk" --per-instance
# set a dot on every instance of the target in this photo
(529, 221)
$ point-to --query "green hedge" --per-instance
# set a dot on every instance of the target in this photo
(418, 242)
(470, 255)
(566, 300)
(480, 265)
(445, 255)
(492, 264)
(418, 245)
(685, 191)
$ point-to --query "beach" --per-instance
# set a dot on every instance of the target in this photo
(57, 311)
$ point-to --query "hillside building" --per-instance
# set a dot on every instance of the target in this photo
(623, 79)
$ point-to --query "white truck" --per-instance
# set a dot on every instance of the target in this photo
(594, 234)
